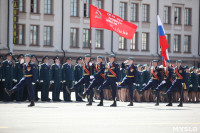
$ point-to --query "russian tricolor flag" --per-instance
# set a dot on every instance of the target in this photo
(163, 41)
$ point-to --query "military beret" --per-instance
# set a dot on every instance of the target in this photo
(154, 60)
(56, 57)
(131, 58)
(100, 56)
(87, 55)
(20, 56)
(138, 65)
(69, 58)
(79, 58)
(33, 56)
(193, 67)
(9, 54)
(27, 55)
(167, 61)
(112, 55)
(179, 61)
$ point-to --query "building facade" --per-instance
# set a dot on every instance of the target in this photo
(62, 27)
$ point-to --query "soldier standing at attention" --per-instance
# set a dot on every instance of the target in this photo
(1, 83)
(19, 74)
(56, 79)
(45, 79)
(130, 78)
(112, 79)
(146, 78)
(96, 82)
(177, 84)
(7, 75)
(139, 82)
(198, 93)
(194, 83)
(68, 78)
(27, 81)
(186, 84)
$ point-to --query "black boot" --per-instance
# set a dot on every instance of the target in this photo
(180, 104)
(9, 92)
(131, 103)
(114, 104)
(101, 103)
(82, 95)
(157, 102)
(169, 104)
(31, 104)
(90, 102)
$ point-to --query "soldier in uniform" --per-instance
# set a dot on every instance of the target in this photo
(139, 83)
(45, 78)
(112, 79)
(19, 74)
(1, 83)
(186, 84)
(97, 81)
(56, 79)
(130, 78)
(193, 83)
(7, 75)
(177, 84)
(166, 83)
(27, 81)
(68, 78)
(146, 78)
(88, 69)
(198, 93)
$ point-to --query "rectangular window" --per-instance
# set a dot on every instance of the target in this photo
(21, 34)
(145, 13)
(99, 39)
(74, 8)
(74, 37)
(134, 45)
(177, 15)
(86, 8)
(48, 35)
(86, 38)
(99, 4)
(145, 41)
(48, 7)
(123, 10)
(122, 43)
(34, 6)
(188, 15)
(34, 34)
(134, 12)
(168, 37)
(187, 44)
(21, 6)
(167, 12)
(177, 39)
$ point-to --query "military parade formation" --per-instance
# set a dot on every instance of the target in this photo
(22, 79)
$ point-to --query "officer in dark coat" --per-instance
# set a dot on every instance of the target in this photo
(177, 84)
(45, 78)
(130, 78)
(27, 81)
(19, 74)
(68, 78)
(1, 83)
(112, 79)
(56, 79)
(167, 81)
(97, 81)
(8, 75)
(88, 70)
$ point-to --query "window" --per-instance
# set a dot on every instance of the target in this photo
(99, 39)
(134, 12)
(34, 6)
(145, 41)
(86, 38)
(21, 6)
(187, 44)
(86, 8)
(188, 14)
(74, 37)
(177, 39)
(99, 4)
(167, 12)
(177, 15)
(48, 35)
(21, 34)
(145, 13)
(74, 8)
(48, 7)
(168, 37)
(134, 42)
(34, 34)
(122, 43)
(123, 10)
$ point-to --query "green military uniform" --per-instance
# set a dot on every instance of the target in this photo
(146, 76)
(1, 83)
(198, 74)
(194, 81)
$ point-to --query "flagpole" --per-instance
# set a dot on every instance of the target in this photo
(90, 41)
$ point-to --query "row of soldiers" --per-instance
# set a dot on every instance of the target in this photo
(128, 82)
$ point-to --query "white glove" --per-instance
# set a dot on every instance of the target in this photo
(63, 81)
(126, 61)
(138, 85)
(117, 83)
(161, 66)
(0, 79)
(52, 82)
(91, 77)
(41, 81)
(22, 61)
(134, 84)
(191, 85)
(144, 84)
(199, 86)
(3, 80)
(33, 83)
(76, 82)
(14, 80)
(163, 82)
(90, 64)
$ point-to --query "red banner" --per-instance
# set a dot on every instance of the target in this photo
(105, 20)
